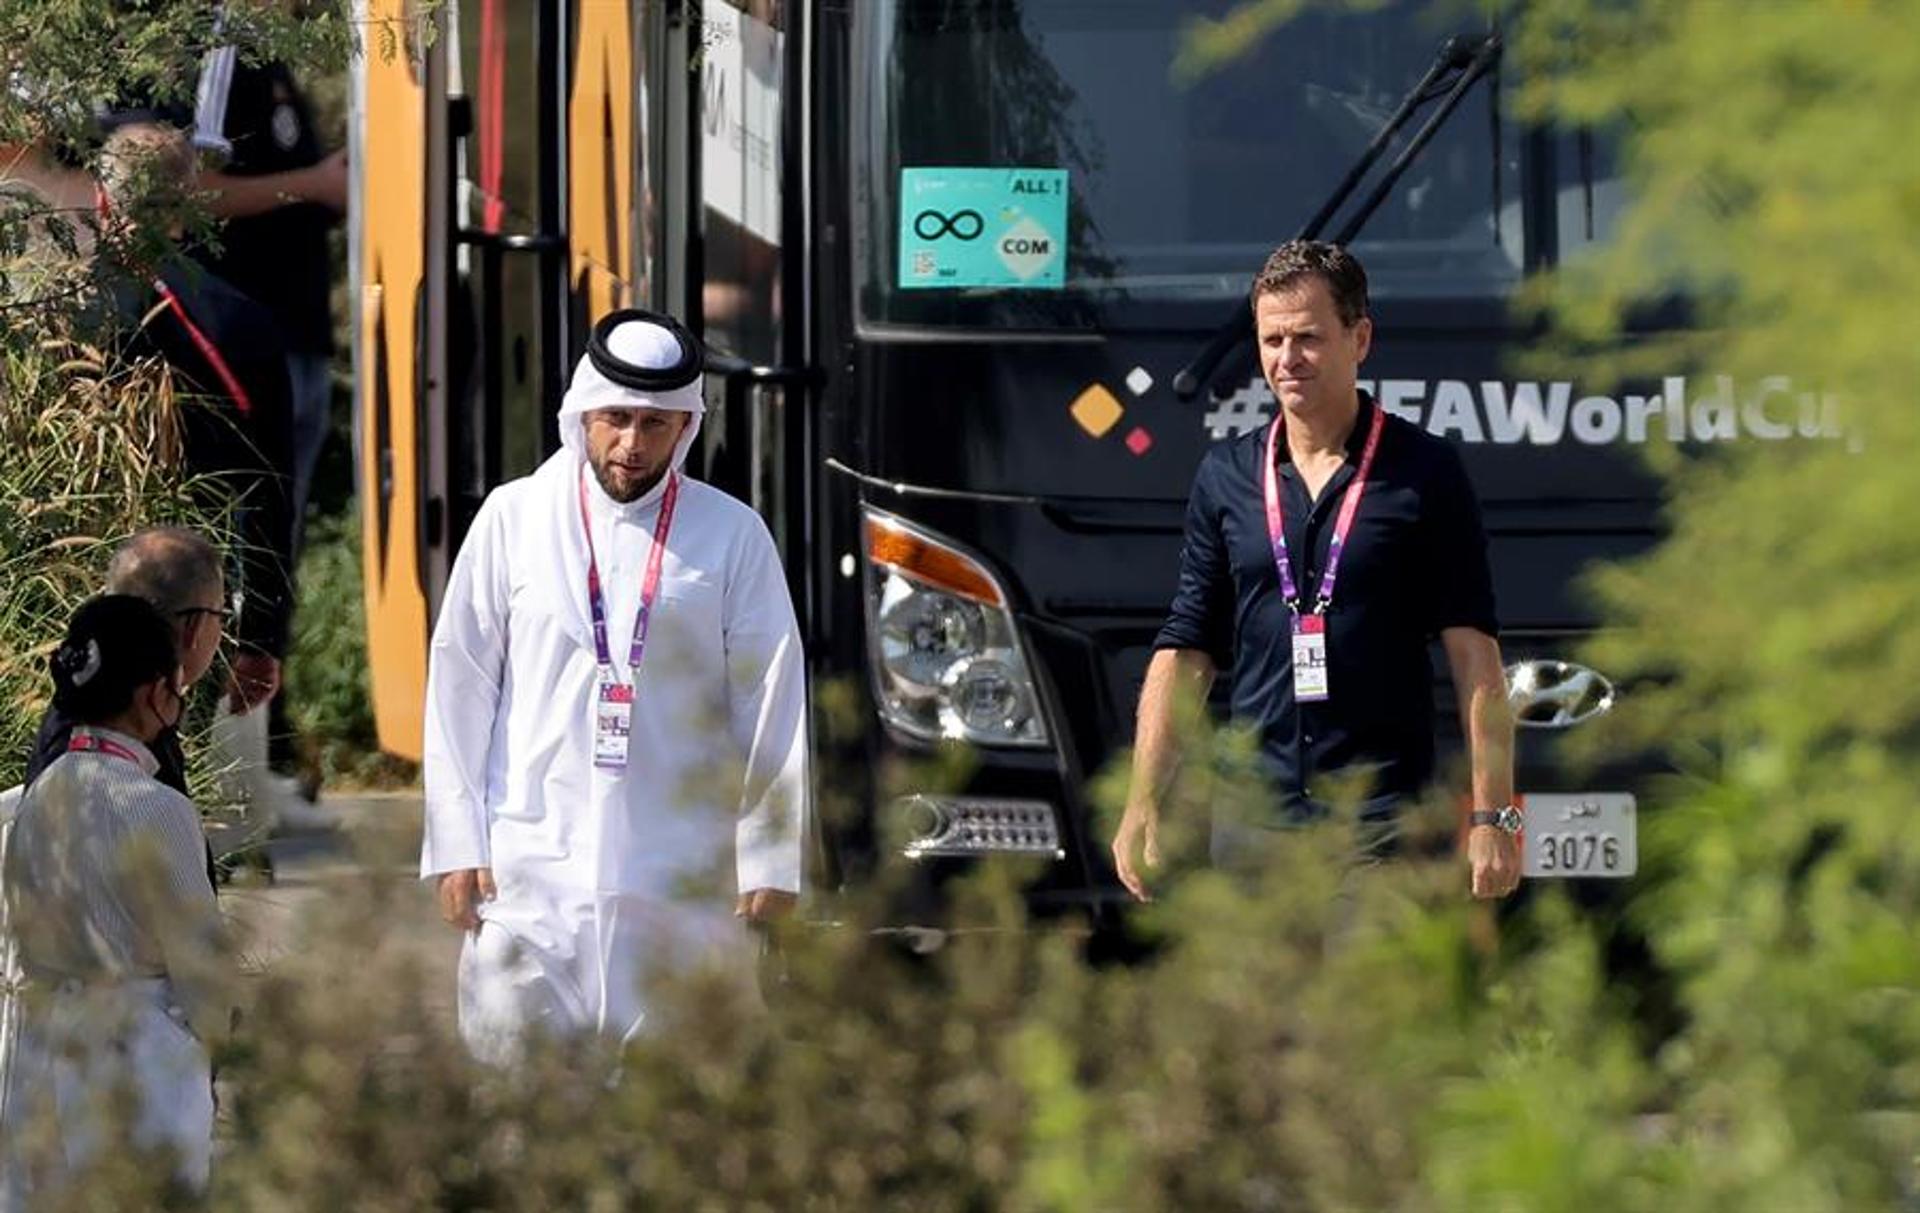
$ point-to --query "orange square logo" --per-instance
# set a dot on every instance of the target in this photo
(1096, 410)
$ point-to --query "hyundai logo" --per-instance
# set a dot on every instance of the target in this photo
(1556, 694)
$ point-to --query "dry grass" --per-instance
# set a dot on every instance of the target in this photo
(92, 454)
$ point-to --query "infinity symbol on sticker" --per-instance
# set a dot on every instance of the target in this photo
(932, 225)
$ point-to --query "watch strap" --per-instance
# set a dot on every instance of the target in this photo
(1505, 818)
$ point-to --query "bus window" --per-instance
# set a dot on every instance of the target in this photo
(1591, 192)
(1177, 191)
(503, 192)
(742, 105)
(741, 66)
(646, 269)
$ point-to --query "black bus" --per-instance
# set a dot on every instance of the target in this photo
(951, 258)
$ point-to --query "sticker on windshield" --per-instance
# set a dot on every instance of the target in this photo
(966, 227)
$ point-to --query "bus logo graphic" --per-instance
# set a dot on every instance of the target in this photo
(1026, 249)
(932, 225)
(967, 227)
(1499, 412)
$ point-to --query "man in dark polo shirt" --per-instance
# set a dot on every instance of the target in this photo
(1322, 555)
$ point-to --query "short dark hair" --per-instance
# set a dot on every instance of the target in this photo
(169, 566)
(1332, 264)
(115, 644)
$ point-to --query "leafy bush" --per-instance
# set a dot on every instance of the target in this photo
(329, 699)
(1319, 1034)
(92, 456)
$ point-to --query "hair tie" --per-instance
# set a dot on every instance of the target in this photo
(79, 665)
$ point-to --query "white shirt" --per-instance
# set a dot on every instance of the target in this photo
(106, 880)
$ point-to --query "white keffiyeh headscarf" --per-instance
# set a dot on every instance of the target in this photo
(656, 356)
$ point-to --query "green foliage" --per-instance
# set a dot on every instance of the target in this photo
(1210, 43)
(1772, 626)
(63, 60)
(97, 444)
(1318, 1033)
(92, 456)
(1779, 604)
(328, 695)
(1278, 1057)
(66, 56)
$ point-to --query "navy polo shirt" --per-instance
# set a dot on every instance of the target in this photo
(1415, 563)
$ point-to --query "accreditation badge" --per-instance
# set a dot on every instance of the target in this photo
(612, 722)
(1310, 658)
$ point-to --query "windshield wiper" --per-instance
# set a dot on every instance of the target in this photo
(1460, 62)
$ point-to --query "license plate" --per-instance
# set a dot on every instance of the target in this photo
(1585, 835)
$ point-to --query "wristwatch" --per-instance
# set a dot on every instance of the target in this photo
(1506, 818)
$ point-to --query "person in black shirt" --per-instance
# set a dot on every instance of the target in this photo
(279, 195)
(225, 357)
(1322, 555)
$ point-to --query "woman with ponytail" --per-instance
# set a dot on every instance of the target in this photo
(114, 921)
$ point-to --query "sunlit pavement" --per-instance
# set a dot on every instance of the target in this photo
(375, 834)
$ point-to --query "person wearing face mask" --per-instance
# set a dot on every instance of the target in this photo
(179, 573)
(616, 717)
(114, 921)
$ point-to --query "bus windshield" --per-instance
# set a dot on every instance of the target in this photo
(1039, 163)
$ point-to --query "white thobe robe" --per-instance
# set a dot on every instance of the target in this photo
(605, 874)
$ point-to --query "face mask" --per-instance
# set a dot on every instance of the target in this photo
(179, 707)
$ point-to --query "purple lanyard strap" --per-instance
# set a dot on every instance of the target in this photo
(1350, 506)
(649, 588)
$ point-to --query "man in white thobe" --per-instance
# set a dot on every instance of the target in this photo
(616, 726)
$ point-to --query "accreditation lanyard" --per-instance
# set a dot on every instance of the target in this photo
(613, 699)
(208, 350)
(1310, 679)
(93, 743)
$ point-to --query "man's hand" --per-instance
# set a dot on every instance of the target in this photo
(1139, 832)
(1494, 856)
(1176, 688)
(253, 678)
(326, 182)
(461, 894)
(765, 905)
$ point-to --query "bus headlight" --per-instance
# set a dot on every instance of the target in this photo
(947, 658)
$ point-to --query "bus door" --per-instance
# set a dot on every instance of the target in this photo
(507, 307)
(398, 240)
(619, 111)
(744, 252)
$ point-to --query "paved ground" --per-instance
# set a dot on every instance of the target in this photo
(378, 832)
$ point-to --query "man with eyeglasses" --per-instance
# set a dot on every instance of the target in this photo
(180, 573)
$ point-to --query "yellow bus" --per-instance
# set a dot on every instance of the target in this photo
(494, 204)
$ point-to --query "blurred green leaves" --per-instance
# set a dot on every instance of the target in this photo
(1317, 1033)
(329, 699)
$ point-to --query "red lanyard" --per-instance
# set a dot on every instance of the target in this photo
(93, 743)
(649, 588)
(208, 350)
(1276, 522)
